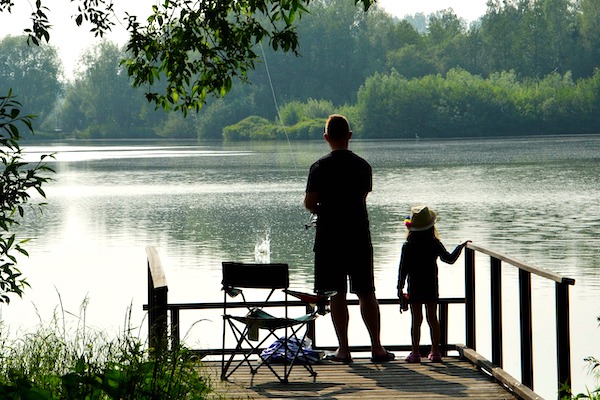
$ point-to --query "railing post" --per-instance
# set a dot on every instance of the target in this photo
(444, 328)
(496, 304)
(157, 303)
(175, 333)
(563, 340)
(310, 327)
(526, 328)
(470, 297)
(157, 315)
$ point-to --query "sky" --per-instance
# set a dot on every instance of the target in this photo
(72, 41)
(467, 9)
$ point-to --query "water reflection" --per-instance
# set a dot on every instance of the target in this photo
(533, 198)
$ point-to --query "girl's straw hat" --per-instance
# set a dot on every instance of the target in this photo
(421, 218)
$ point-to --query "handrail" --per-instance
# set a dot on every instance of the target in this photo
(176, 308)
(562, 284)
(521, 265)
(290, 303)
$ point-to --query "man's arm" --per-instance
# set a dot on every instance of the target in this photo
(311, 200)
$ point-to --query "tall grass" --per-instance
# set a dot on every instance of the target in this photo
(594, 367)
(56, 361)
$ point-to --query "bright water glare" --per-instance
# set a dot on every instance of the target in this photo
(535, 199)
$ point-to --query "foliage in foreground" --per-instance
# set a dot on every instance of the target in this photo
(53, 363)
(17, 180)
(594, 365)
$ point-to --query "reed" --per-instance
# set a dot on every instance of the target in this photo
(594, 368)
(61, 361)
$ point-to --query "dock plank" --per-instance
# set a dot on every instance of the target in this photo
(452, 379)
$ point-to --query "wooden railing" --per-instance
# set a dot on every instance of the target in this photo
(157, 301)
(159, 323)
(525, 314)
(164, 317)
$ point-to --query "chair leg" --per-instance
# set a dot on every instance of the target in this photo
(300, 352)
(242, 337)
(294, 354)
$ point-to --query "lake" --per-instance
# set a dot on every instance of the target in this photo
(534, 198)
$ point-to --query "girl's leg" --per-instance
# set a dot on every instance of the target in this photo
(416, 311)
(434, 326)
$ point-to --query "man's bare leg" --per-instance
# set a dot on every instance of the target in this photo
(369, 309)
(340, 318)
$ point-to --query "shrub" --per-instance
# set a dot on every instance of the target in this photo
(306, 129)
(53, 363)
(253, 127)
(17, 182)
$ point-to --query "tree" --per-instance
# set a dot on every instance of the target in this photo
(32, 72)
(101, 102)
(444, 26)
(196, 47)
(412, 61)
(238, 104)
(446, 39)
(502, 20)
(589, 23)
(16, 182)
(328, 49)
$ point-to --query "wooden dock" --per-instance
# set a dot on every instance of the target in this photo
(452, 379)
(467, 374)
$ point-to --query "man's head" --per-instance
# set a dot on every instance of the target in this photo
(337, 129)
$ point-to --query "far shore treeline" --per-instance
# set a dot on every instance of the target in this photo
(527, 67)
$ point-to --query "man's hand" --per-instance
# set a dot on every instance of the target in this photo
(311, 201)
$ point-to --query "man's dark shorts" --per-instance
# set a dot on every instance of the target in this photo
(333, 267)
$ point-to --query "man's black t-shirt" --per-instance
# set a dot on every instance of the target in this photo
(342, 180)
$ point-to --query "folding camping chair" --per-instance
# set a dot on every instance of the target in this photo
(288, 350)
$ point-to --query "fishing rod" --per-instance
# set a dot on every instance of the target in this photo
(312, 218)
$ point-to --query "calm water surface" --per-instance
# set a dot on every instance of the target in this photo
(535, 199)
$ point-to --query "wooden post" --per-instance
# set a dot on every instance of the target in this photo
(310, 326)
(563, 339)
(496, 304)
(157, 302)
(526, 328)
(444, 328)
(175, 334)
(470, 297)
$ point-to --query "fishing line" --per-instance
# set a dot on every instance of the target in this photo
(312, 218)
(262, 250)
(283, 127)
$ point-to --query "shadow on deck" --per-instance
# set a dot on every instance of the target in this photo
(452, 379)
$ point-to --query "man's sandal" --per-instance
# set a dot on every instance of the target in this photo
(388, 356)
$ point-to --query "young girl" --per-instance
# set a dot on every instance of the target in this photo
(418, 264)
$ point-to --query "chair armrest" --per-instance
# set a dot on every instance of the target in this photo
(231, 291)
(321, 300)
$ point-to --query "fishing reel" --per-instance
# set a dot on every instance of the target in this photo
(312, 222)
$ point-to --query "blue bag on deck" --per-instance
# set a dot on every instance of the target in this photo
(276, 351)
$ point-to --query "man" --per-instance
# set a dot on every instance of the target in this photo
(336, 192)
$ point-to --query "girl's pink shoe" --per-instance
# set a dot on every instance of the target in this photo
(413, 358)
(435, 356)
